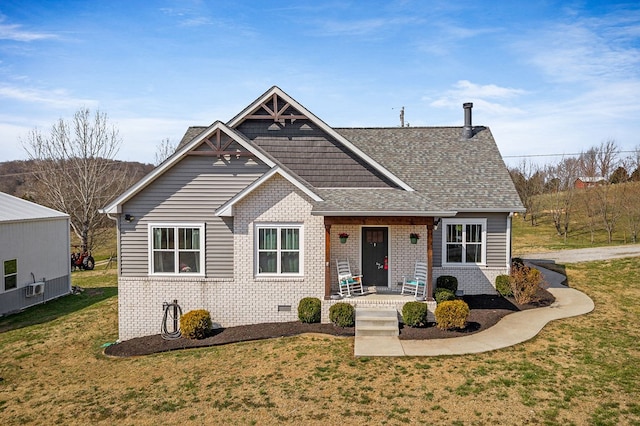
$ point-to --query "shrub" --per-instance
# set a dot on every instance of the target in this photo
(414, 314)
(195, 324)
(502, 285)
(444, 294)
(525, 282)
(342, 314)
(452, 314)
(517, 263)
(447, 281)
(309, 310)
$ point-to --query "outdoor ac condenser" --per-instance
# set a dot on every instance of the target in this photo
(35, 289)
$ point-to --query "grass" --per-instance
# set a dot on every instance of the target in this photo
(578, 371)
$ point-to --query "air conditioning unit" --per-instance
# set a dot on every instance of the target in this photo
(35, 289)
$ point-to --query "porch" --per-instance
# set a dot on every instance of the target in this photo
(382, 250)
(378, 298)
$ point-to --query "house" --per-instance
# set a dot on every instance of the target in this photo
(588, 181)
(34, 252)
(244, 219)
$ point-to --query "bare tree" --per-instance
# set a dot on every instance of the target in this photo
(529, 180)
(75, 165)
(164, 150)
(562, 190)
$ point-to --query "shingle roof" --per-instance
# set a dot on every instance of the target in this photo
(451, 172)
(13, 209)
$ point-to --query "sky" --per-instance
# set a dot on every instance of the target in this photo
(547, 77)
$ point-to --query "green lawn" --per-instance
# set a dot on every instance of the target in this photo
(578, 371)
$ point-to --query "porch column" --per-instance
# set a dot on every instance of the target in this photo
(327, 262)
(430, 261)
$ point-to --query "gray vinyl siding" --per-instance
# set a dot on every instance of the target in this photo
(496, 239)
(189, 192)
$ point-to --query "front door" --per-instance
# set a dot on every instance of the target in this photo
(375, 256)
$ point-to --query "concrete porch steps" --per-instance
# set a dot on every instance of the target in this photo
(376, 321)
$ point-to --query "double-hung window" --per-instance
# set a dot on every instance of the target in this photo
(279, 249)
(464, 241)
(176, 249)
(10, 268)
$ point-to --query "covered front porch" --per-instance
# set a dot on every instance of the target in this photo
(382, 250)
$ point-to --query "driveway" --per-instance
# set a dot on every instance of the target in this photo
(585, 255)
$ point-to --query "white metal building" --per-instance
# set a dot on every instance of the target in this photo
(34, 254)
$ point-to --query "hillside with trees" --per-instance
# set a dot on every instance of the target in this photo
(593, 198)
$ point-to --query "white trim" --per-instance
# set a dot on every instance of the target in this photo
(279, 226)
(116, 205)
(464, 221)
(325, 127)
(175, 226)
(226, 210)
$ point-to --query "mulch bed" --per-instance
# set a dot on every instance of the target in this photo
(486, 311)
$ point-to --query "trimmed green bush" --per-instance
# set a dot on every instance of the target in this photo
(195, 324)
(502, 285)
(447, 281)
(342, 314)
(414, 314)
(444, 294)
(452, 314)
(309, 310)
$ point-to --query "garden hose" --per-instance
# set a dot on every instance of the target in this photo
(173, 311)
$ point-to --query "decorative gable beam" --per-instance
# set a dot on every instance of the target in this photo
(276, 114)
(218, 148)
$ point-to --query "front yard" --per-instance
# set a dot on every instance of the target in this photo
(579, 370)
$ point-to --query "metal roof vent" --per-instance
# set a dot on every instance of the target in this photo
(467, 130)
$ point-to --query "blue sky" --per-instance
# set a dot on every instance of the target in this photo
(546, 76)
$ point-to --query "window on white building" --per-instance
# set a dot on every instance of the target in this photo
(464, 242)
(176, 249)
(279, 249)
(10, 274)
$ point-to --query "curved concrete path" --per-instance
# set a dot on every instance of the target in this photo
(512, 329)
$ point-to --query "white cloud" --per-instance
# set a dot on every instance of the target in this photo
(16, 33)
(586, 50)
(58, 98)
(485, 97)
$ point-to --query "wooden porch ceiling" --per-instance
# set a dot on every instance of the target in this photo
(378, 220)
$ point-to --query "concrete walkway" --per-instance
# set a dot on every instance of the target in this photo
(512, 329)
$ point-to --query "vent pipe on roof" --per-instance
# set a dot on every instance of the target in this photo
(467, 130)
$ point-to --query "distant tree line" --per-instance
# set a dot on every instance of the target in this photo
(611, 196)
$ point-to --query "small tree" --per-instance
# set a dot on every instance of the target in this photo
(525, 283)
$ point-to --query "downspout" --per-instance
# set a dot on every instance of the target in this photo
(509, 249)
(115, 219)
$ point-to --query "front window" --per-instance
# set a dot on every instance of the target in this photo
(10, 274)
(279, 250)
(464, 241)
(177, 249)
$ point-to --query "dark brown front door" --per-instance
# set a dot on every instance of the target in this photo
(375, 256)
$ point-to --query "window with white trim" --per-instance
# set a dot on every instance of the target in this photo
(176, 249)
(279, 249)
(10, 271)
(464, 241)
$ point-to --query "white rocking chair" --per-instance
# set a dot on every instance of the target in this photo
(417, 285)
(347, 282)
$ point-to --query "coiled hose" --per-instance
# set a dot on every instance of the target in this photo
(173, 311)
